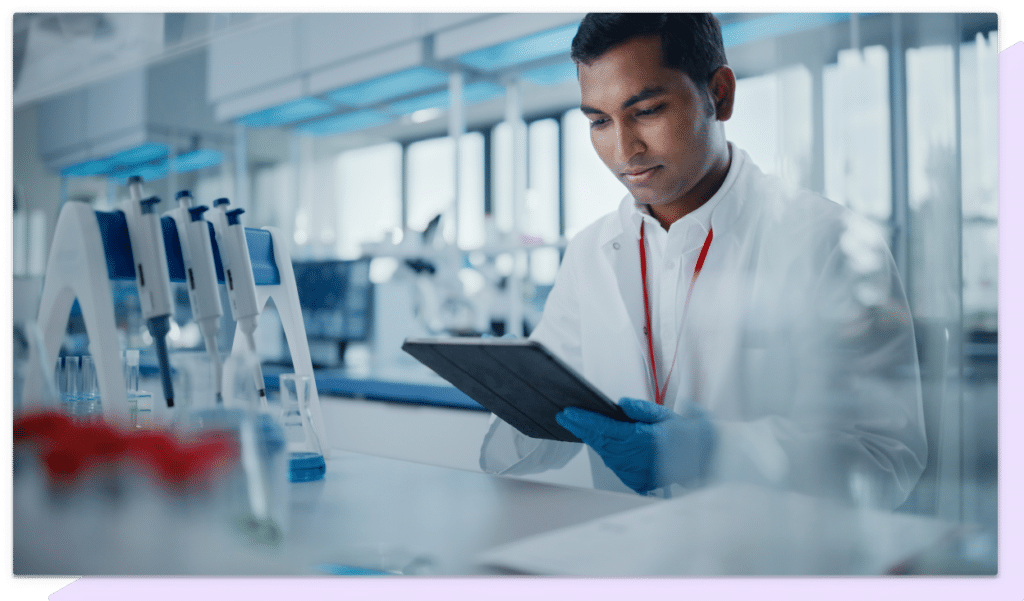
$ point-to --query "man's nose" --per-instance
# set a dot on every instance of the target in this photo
(627, 143)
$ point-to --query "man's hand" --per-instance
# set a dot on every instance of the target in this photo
(661, 448)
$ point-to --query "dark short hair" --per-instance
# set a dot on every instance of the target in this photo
(690, 42)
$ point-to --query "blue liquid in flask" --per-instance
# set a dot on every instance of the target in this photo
(306, 466)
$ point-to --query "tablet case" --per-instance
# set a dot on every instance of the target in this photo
(520, 381)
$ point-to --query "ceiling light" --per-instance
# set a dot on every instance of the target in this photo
(552, 74)
(87, 168)
(424, 115)
(522, 50)
(144, 153)
(389, 86)
(290, 112)
(471, 94)
(197, 159)
(742, 32)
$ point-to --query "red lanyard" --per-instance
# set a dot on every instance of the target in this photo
(659, 392)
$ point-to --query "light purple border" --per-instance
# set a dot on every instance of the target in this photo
(1010, 582)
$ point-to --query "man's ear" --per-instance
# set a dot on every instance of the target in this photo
(723, 91)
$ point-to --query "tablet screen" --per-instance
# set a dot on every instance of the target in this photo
(520, 381)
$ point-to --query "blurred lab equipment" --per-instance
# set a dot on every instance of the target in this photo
(84, 404)
(337, 306)
(264, 459)
(201, 274)
(78, 269)
(93, 498)
(195, 381)
(140, 402)
(92, 248)
(147, 243)
(238, 275)
(306, 458)
(436, 288)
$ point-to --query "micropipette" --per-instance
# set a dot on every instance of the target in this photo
(238, 276)
(151, 274)
(200, 276)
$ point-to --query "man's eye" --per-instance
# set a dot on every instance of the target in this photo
(597, 122)
(650, 111)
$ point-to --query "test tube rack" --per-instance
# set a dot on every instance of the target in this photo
(92, 248)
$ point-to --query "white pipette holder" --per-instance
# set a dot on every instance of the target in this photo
(77, 268)
(86, 256)
(266, 261)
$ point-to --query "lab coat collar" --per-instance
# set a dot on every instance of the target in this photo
(721, 210)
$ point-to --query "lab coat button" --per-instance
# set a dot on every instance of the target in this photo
(670, 264)
(615, 245)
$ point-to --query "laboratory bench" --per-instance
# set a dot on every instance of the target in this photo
(368, 515)
(379, 516)
(403, 494)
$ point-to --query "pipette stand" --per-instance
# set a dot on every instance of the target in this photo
(77, 268)
(85, 256)
(286, 300)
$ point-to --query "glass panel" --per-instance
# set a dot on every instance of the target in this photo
(501, 176)
(541, 218)
(934, 203)
(431, 176)
(771, 121)
(858, 163)
(471, 190)
(979, 160)
(590, 188)
(369, 196)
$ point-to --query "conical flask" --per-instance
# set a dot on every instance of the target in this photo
(306, 458)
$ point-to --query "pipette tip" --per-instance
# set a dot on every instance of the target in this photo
(170, 401)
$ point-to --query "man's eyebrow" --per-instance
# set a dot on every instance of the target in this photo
(643, 95)
(635, 98)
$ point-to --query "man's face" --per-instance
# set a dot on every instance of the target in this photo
(651, 125)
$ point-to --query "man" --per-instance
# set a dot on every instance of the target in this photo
(756, 333)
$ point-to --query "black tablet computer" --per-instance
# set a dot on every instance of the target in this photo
(520, 381)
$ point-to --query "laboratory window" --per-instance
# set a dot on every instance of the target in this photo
(934, 202)
(501, 177)
(979, 180)
(772, 122)
(369, 196)
(542, 220)
(590, 188)
(430, 178)
(858, 164)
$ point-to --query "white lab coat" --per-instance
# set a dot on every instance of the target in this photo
(798, 341)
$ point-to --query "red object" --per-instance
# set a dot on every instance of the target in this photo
(70, 450)
(45, 426)
(660, 391)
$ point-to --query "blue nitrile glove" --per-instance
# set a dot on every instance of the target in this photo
(661, 448)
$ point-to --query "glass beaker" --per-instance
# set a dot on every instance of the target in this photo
(79, 389)
(194, 383)
(66, 375)
(306, 458)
